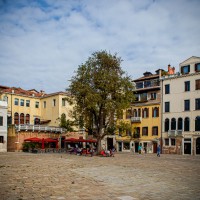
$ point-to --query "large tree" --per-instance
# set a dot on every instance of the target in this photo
(101, 90)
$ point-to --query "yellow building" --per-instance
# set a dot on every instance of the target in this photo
(144, 116)
(32, 112)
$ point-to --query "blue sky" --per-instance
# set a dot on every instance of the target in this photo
(43, 42)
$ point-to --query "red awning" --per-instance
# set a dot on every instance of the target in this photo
(34, 139)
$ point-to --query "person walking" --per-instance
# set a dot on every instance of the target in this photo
(158, 151)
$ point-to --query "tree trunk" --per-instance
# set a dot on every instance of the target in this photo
(99, 146)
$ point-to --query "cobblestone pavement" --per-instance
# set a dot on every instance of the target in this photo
(123, 177)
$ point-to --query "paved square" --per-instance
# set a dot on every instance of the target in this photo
(123, 177)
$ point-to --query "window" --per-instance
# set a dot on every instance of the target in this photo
(36, 121)
(16, 118)
(54, 102)
(1, 139)
(173, 142)
(1, 120)
(154, 130)
(44, 104)
(128, 114)
(126, 146)
(197, 104)
(167, 89)
(145, 113)
(36, 104)
(167, 142)
(16, 101)
(166, 125)
(173, 124)
(27, 119)
(143, 97)
(197, 123)
(22, 118)
(128, 133)
(187, 86)
(186, 105)
(185, 69)
(180, 123)
(27, 103)
(145, 131)
(21, 102)
(198, 84)
(155, 112)
(153, 95)
(63, 102)
(197, 67)
(167, 106)
(187, 124)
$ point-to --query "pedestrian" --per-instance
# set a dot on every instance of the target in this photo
(158, 151)
(140, 149)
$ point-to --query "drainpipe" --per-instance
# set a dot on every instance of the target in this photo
(161, 145)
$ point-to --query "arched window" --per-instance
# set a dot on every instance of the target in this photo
(173, 124)
(139, 112)
(27, 119)
(16, 118)
(145, 113)
(155, 112)
(134, 113)
(180, 123)
(166, 125)
(22, 118)
(197, 123)
(187, 124)
(36, 121)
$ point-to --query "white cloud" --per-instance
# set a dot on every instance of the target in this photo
(42, 43)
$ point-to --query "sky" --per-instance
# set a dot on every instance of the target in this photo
(43, 42)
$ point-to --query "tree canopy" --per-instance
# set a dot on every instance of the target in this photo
(101, 90)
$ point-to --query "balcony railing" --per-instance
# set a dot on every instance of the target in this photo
(174, 133)
(136, 119)
(39, 128)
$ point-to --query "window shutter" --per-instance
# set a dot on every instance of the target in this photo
(147, 112)
(143, 113)
(188, 68)
(153, 112)
(195, 67)
(158, 112)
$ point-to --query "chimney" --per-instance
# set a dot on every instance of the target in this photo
(171, 70)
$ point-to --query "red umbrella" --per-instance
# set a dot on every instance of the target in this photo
(50, 140)
(71, 140)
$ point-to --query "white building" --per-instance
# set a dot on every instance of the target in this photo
(181, 109)
(3, 126)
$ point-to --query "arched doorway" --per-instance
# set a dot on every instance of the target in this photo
(198, 146)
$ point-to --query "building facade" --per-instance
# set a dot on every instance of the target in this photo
(143, 116)
(32, 113)
(181, 109)
(3, 126)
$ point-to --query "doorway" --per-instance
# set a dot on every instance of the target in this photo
(187, 146)
(154, 147)
(119, 146)
(136, 147)
(198, 146)
(110, 143)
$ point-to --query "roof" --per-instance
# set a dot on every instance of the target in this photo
(30, 93)
(153, 76)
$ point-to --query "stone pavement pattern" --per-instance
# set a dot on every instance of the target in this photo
(123, 177)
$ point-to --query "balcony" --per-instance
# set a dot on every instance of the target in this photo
(39, 128)
(136, 119)
(174, 133)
